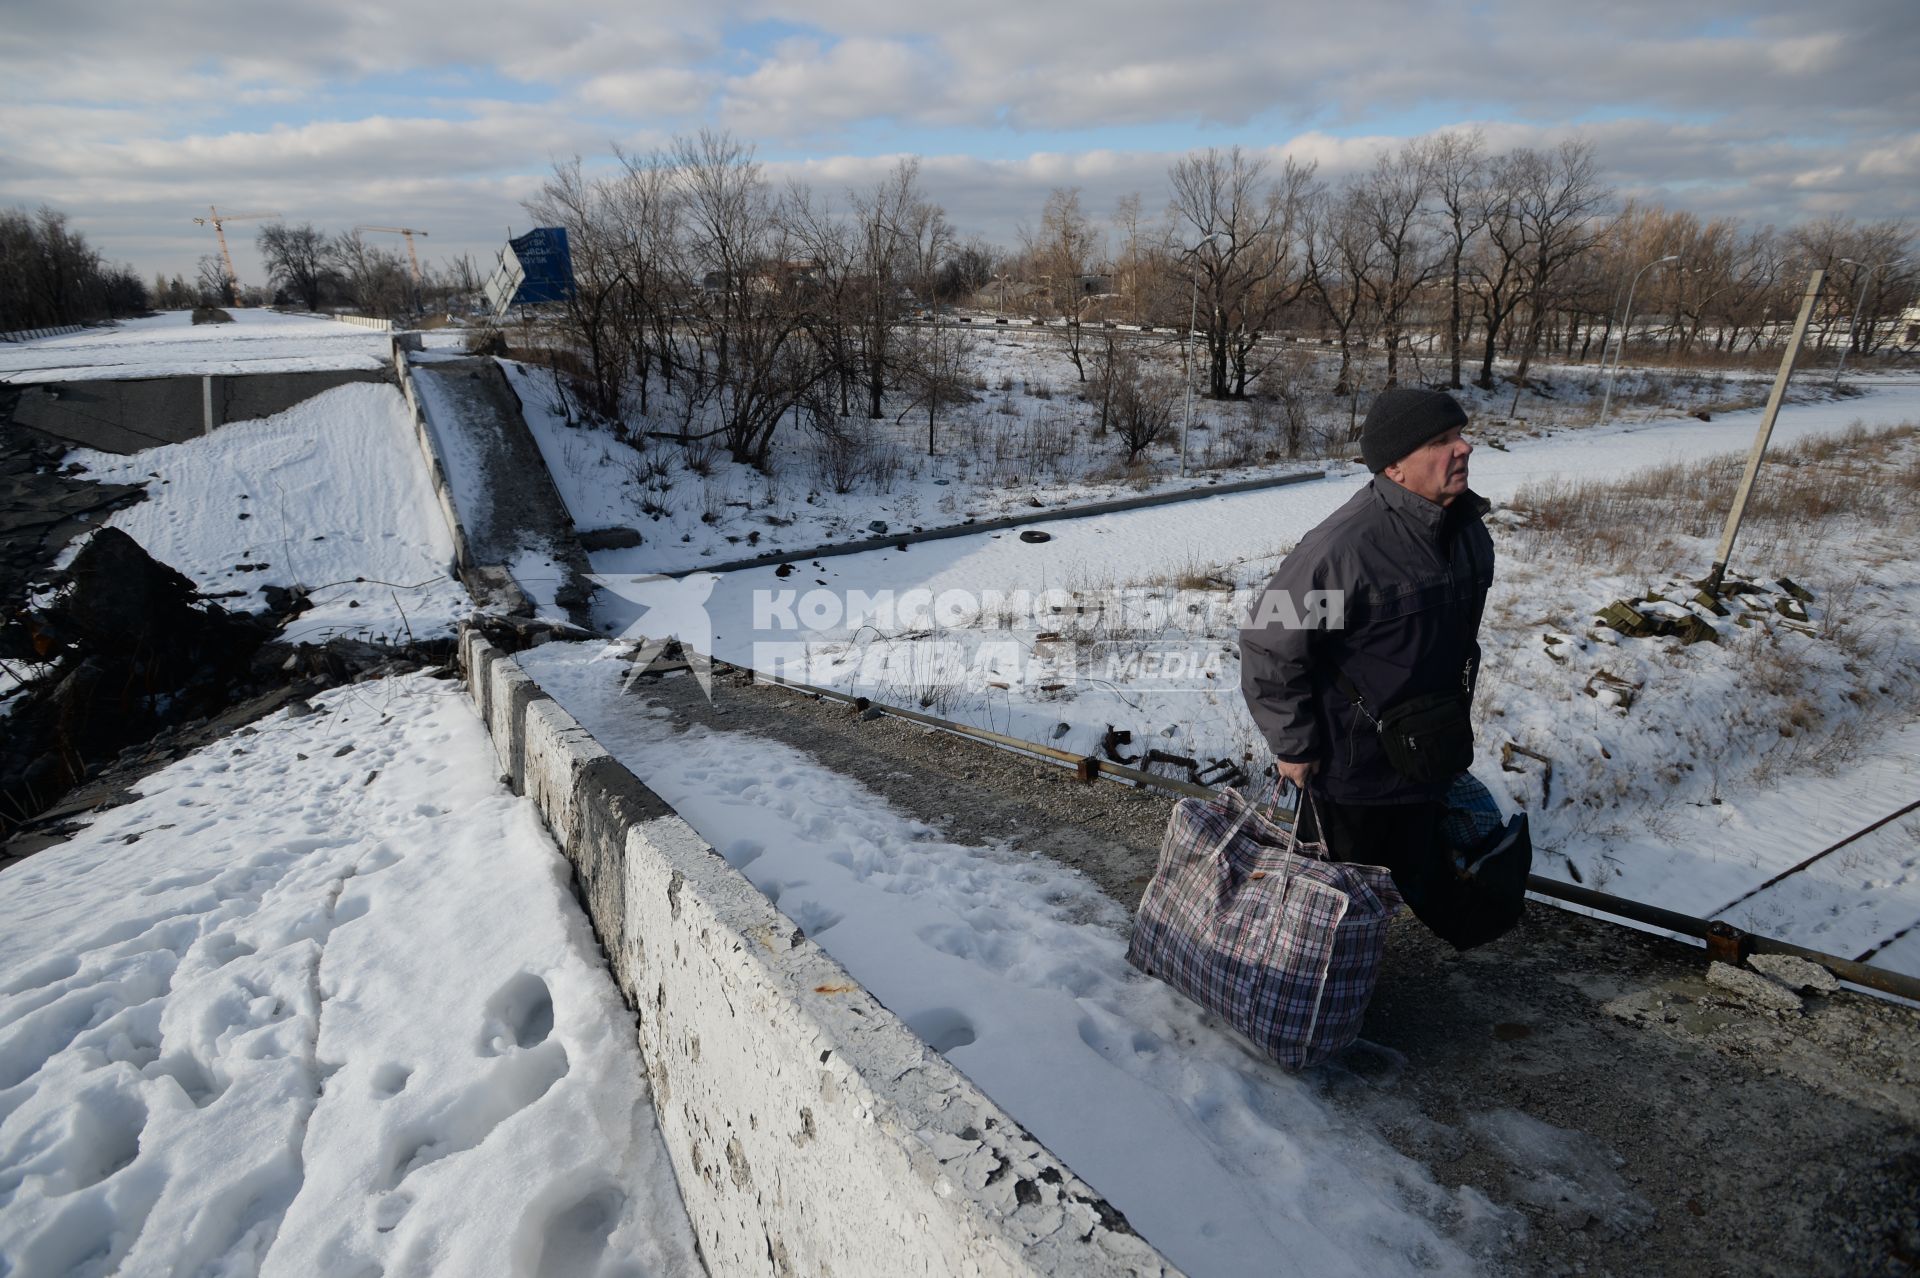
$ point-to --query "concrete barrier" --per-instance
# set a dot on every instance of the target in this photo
(364, 321)
(126, 416)
(811, 1132)
(490, 584)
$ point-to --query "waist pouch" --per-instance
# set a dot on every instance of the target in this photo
(1428, 738)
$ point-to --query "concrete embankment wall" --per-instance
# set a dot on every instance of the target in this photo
(812, 1133)
(463, 562)
(127, 416)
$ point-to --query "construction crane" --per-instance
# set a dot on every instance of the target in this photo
(219, 221)
(407, 231)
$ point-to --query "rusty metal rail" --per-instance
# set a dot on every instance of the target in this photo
(1723, 941)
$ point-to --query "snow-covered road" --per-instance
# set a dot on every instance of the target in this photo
(170, 344)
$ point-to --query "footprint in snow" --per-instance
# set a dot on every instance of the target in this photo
(519, 1015)
(514, 1083)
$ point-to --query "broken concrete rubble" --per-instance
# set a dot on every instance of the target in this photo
(128, 650)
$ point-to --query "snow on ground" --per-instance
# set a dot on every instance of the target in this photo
(1631, 827)
(1015, 968)
(1012, 451)
(170, 344)
(1025, 442)
(331, 490)
(320, 1002)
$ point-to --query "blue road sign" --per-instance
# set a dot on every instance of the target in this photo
(547, 263)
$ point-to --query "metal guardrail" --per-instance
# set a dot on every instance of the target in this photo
(1002, 523)
(34, 334)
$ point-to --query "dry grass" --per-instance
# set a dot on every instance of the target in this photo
(1803, 497)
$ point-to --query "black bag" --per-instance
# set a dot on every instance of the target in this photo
(1428, 738)
(1472, 887)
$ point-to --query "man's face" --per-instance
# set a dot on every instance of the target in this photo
(1437, 470)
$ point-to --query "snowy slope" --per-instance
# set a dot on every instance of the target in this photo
(320, 1002)
(331, 490)
(170, 344)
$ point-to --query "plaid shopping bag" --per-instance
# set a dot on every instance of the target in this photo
(1252, 924)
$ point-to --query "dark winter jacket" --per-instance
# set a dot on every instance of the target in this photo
(1414, 577)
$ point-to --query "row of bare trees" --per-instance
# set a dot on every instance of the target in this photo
(712, 303)
(1442, 248)
(50, 275)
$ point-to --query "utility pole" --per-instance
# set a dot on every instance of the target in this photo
(1606, 404)
(1711, 587)
(1193, 319)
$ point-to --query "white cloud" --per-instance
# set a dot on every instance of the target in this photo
(805, 86)
(1768, 109)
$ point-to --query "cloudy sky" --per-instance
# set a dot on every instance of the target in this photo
(134, 115)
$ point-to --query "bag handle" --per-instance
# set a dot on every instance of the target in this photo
(1230, 797)
(1305, 805)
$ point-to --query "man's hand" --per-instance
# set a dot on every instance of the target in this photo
(1296, 772)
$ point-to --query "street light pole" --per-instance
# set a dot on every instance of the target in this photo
(1193, 318)
(1853, 323)
(1606, 404)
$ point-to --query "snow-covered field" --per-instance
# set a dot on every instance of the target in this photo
(331, 495)
(320, 1002)
(1622, 816)
(170, 344)
(1016, 969)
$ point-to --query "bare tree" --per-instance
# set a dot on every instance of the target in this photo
(1340, 255)
(1134, 251)
(1245, 260)
(746, 306)
(900, 237)
(1456, 171)
(966, 270)
(586, 209)
(49, 275)
(1390, 198)
(215, 285)
(939, 365)
(1557, 197)
(297, 258)
(1496, 268)
(1143, 406)
(1061, 253)
(377, 280)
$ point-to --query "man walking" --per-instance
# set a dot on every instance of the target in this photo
(1365, 702)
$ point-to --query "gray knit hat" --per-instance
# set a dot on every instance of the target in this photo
(1402, 419)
